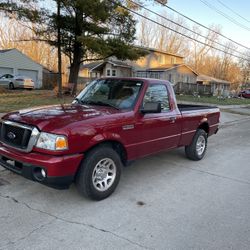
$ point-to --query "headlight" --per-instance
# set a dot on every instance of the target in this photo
(52, 141)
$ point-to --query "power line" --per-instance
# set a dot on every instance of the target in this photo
(209, 39)
(192, 20)
(160, 24)
(212, 7)
(233, 11)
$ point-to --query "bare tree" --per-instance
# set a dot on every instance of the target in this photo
(171, 41)
(13, 34)
(152, 35)
(199, 51)
(245, 68)
(146, 32)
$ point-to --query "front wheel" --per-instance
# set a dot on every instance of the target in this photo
(197, 149)
(11, 86)
(99, 173)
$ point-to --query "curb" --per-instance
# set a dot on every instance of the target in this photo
(233, 111)
(231, 123)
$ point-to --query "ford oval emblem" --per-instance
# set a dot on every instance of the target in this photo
(11, 135)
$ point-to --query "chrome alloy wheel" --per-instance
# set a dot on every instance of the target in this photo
(200, 145)
(104, 174)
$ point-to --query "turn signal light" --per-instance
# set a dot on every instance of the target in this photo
(61, 143)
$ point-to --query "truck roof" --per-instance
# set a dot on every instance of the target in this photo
(149, 80)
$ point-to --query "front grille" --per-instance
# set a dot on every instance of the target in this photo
(16, 135)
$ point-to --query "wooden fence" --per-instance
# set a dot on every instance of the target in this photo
(193, 88)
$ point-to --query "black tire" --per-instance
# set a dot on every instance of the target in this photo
(88, 173)
(192, 151)
(11, 85)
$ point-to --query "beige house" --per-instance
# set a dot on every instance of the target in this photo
(174, 73)
(156, 58)
(107, 67)
(156, 64)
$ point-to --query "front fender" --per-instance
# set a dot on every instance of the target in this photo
(107, 136)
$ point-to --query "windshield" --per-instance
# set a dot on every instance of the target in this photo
(117, 93)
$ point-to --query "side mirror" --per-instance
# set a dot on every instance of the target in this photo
(151, 107)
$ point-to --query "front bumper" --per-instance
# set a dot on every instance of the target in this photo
(60, 170)
(26, 85)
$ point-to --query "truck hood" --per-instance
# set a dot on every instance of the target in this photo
(49, 118)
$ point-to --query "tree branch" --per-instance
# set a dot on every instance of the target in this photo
(34, 39)
(96, 59)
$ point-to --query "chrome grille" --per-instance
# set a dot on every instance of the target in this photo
(18, 136)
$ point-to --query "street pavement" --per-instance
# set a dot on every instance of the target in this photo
(164, 201)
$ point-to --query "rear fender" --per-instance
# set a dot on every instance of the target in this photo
(204, 125)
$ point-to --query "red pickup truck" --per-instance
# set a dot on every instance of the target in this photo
(111, 122)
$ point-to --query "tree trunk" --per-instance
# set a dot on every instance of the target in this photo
(59, 51)
(77, 53)
(74, 67)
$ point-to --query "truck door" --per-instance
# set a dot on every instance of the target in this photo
(158, 131)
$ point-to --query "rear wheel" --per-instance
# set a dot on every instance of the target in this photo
(197, 149)
(99, 173)
(11, 85)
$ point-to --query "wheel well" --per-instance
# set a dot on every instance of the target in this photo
(205, 127)
(117, 146)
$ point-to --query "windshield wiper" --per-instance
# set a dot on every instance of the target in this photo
(101, 103)
(79, 101)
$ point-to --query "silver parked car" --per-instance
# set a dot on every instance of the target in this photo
(10, 81)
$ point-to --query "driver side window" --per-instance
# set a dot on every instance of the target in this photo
(157, 93)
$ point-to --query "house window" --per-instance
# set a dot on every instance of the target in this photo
(108, 72)
(173, 60)
(161, 59)
(141, 74)
(113, 72)
(156, 75)
(170, 77)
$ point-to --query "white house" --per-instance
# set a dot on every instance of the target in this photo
(13, 61)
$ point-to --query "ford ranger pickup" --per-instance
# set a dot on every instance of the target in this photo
(112, 122)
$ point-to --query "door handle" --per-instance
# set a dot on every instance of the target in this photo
(172, 119)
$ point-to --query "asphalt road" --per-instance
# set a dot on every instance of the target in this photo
(163, 202)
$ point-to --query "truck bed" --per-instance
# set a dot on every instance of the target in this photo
(188, 107)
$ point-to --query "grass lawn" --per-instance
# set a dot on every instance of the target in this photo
(213, 100)
(19, 99)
